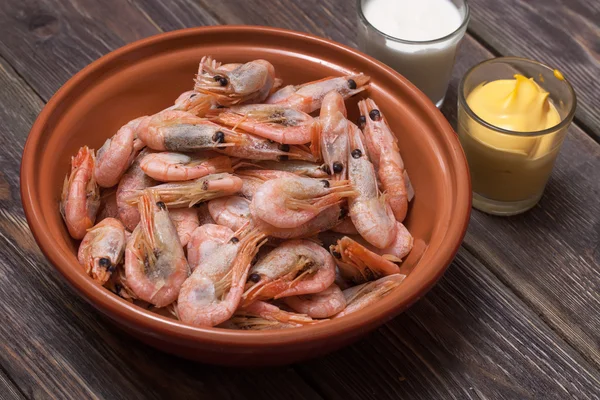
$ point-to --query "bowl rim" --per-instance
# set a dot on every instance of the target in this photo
(142, 320)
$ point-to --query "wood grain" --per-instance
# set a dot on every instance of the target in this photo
(8, 390)
(469, 338)
(562, 34)
(55, 345)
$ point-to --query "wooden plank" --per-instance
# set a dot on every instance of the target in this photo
(49, 41)
(551, 283)
(563, 34)
(469, 338)
(55, 345)
(8, 390)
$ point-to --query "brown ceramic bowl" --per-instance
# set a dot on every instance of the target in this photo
(145, 77)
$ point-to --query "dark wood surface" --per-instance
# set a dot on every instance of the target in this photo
(517, 315)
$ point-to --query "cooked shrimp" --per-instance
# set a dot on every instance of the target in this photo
(182, 131)
(102, 248)
(249, 82)
(271, 312)
(205, 241)
(370, 213)
(271, 121)
(230, 211)
(361, 296)
(298, 167)
(185, 221)
(80, 197)
(359, 264)
(294, 268)
(308, 97)
(108, 205)
(323, 222)
(252, 147)
(133, 182)
(115, 156)
(117, 283)
(291, 202)
(155, 264)
(193, 102)
(213, 292)
(169, 167)
(189, 193)
(383, 146)
(334, 134)
(319, 305)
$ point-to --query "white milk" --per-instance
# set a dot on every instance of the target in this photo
(427, 65)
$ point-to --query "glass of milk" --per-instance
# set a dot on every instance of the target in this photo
(417, 38)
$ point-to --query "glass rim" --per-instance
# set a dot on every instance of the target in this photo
(463, 24)
(463, 101)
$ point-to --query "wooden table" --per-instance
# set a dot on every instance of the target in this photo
(516, 316)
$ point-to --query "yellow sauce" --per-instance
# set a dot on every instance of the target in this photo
(507, 167)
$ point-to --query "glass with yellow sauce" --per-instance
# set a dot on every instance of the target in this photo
(513, 116)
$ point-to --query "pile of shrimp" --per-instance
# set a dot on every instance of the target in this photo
(245, 205)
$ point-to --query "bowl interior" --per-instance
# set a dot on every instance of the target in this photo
(146, 77)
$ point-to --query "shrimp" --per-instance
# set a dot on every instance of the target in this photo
(169, 167)
(133, 181)
(298, 167)
(155, 264)
(370, 213)
(252, 147)
(291, 202)
(359, 264)
(319, 305)
(323, 222)
(205, 241)
(108, 205)
(271, 312)
(308, 97)
(193, 102)
(231, 211)
(185, 221)
(189, 193)
(117, 153)
(80, 197)
(102, 248)
(203, 214)
(361, 296)
(249, 82)
(294, 268)
(334, 134)
(182, 131)
(383, 146)
(281, 124)
(213, 292)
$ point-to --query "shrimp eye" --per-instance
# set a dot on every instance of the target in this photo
(193, 95)
(351, 84)
(356, 153)
(326, 169)
(284, 147)
(325, 183)
(254, 278)
(219, 106)
(362, 120)
(283, 158)
(161, 205)
(336, 254)
(104, 262)
(234, 240)
(338, 167)
(219, 137)
(375, 115)
(221, 79)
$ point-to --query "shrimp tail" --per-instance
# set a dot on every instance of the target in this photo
(315, 141)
